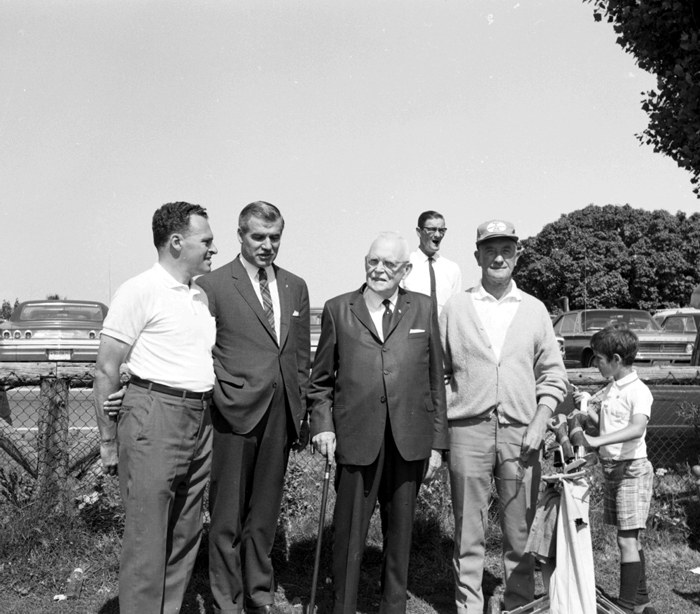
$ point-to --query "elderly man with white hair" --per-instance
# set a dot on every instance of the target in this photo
(377, 401)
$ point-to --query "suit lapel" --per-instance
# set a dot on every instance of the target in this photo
(285, 303)
(244, 285)
(360, 311)
(403, 303)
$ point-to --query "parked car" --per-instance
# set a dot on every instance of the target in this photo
(682, 320)
(656, 347)
(315, 329)
(52, 330)
(562, 348)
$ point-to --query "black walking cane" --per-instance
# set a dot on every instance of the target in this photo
(317, 561)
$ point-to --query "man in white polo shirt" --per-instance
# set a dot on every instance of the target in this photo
(159, 324)
(431, 273)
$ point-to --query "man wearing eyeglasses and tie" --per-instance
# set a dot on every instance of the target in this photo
(377, 400)
(431, 273)
(261, 362)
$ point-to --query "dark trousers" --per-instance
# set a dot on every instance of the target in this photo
(164, 455)
(245, 496)
(395, 483)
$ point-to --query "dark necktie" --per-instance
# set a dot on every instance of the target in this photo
(266, 297)
(433, 292)
(386, 318)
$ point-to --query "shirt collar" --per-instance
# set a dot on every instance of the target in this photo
(423, 257)
(628, 379)
(375, 300)
(167, 278)
(514, 294)
(252, 270)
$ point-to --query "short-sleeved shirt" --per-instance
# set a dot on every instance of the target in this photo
(621, 400)
(169, 328)
(448, 278)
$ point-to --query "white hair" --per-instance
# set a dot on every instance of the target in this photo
(394, 237)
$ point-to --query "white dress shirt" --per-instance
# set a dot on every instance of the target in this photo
(448, 278)
(376, 309)
(495, 314)
(253, 271)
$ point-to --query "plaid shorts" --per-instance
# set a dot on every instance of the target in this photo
(627, 494)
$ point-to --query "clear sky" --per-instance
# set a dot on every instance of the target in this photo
(351, 116)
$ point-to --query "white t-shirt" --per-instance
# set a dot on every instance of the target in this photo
(621, 400)
(169, 328)
(448, 278)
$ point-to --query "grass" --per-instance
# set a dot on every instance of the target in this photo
(39, 548)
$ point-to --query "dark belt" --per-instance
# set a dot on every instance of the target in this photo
(174, 392)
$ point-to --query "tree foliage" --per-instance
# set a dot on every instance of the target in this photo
(7, 308)
(614, 256)
(664, 37)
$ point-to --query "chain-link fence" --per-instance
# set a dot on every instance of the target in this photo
(49, 439)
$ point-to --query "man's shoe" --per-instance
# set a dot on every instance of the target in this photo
(261, 609)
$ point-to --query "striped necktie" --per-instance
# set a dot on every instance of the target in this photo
(266, 297)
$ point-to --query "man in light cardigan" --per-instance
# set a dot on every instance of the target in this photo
(506, 378)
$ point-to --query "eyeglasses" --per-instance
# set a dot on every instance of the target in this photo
(432, 231)
(388, 265)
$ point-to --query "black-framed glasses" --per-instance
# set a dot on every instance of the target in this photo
(435, 231)
(388, 265)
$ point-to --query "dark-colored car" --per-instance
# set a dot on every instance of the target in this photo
(52, 330)
(656, 347)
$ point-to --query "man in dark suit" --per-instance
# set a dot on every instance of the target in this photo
(261, 361)
(377, 401)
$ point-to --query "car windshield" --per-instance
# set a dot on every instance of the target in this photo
(60, 311)
(636, 320)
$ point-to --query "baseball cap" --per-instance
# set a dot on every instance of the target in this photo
(495, 229)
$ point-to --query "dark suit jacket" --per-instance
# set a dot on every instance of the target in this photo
(247, 358)
(356, 378)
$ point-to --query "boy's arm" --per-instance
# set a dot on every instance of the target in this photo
(634, 430)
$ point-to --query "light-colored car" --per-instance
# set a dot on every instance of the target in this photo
(315, 329)
(52, 330)
(656, 347)
(682, 320)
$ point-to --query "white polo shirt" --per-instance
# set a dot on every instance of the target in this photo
(448, 277)
(621, 400)
(169, 328)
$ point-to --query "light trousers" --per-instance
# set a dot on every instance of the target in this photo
(483, 451)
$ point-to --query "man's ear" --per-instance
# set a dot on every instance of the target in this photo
(476, 255)
(418, 231)
(239, 234)
(175, 244)
(519, 250)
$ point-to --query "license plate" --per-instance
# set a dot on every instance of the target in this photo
(59, 354)
(660, 363)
